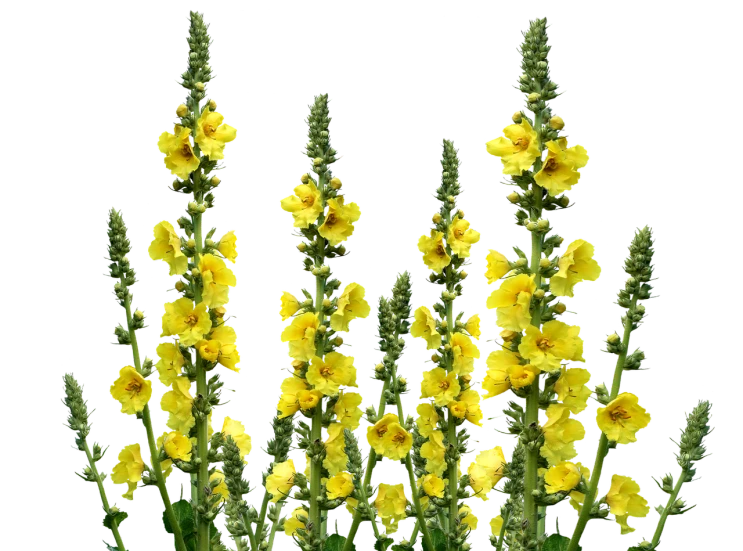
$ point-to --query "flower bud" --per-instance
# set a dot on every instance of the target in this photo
(317, 161)
(180, 286)
(436, 218)
(545, 263)
(215, 181)
(297, 365)
(192, 206)
(463, 274)
(534, 97)
(559, 308)
(613, 339)
(524, 78)
(200, 86)
(322, 329)
(521, 263)
(177, 184)
(557, 123)
(444, 324)
(191, 243)
(543, 224)
(517, 117)
(335, 183)
(451, 198)
(315, 271)
(220, 311)
(403, 381)
(338, 341)
(181, 111)
(435, 358)
(513, 197)
(201, 208)
(460, 213)
(195, 272)
(138, 315)
(209, 243)
(539, 294)
(447, 347)
(507, 335)
(531, 226)
(324, 270)
(326, 303)
(302, 247)
(212, 105)
(564, 201)
(379, 368)
(305, 178)
(466, 379)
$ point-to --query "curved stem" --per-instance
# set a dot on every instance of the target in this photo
(251, 535)
(671, 500)
(258, 537)
(502, 534)
(104, 499)
(275, 525)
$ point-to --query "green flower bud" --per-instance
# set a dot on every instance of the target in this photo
(200, 86)
(543, 224)
(436, 218)
(517, 117)
(559, 308)
(214, 181)
(557, 123)
(302, 246)
(305, 178)
(521, 263)
(138, 315)
(209, 243)
(212, 105)
(335, 183)
(539, 294)
(534, 97)
(513, 197)
(545, 263)
(531, 226)
(317, 161)
(181, 110)
(191, 243)
(180, 286)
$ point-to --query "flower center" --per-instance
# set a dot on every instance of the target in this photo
(381, 431)
(209, 130)
(192, 319)
(440, 250)
(550, 165)
(444, 385)
(326, 371)
(398, 438)
(308, 201)
(619, 413)
(133, 386)
(186, 152)
(521, 143)
(331, 219)
(544, 344)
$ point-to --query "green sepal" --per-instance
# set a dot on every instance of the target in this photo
(383, 543)
(112, 548)
(118, 517)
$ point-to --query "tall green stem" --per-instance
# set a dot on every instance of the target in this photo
(275, 525)
(104, 499)
(502, 534)
(671, 500)
(603, 447)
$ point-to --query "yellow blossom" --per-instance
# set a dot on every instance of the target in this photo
(432, 485)
(518, 150)
(297, 521)
(171, 362)
(498, 266)
(496, 379)
(179, 156)
(460, 237)
(336, 460)
(129, 469)
(339, 486)
(328, 374)
(188, 323)
(427, 420)
(305, 205)
(559, 434)
(625, 501)
(562, 477)
(622, 418)
(289, 306)
(236, 430)
(464, 354)
(176, 445)
(279, 483)
(211, 134)
(296, 395)
(468, 519)
(512, 301)
(347, 409)
(577, 498)
(390, 504)
(433, 451)
(425, 326)
(467, 406)
(571, 388)
(389, 438)
(443, 387)
(216, 278)
(221, 488)
(576, 265)
(227, 246)
(132, 390)
(472, 326)
(486, 471)
(496, 524)
(338, 224)
(301, 336)
(179, 403)
(351, 305)
(555, 342)
(220, 347)
(560, 169)
(434, 251)
(521, 375)
(167, 246)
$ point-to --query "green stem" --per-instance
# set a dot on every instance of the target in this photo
(502, 534)
(104, 499)
(251, 535)
(275, 524)
(671, 500)
(451, 434)
(414, 534)
(180, 545)
(603, 448)
(258, 537)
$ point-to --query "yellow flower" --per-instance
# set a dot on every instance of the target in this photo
(279, 483)
(425, 326)
(211, 134)
(560, 169)
(176, 445)
(132, 390)
(347, 409)
(427, 420)
(624, 501)
(289, 306)
(576, 265)
(189, 323)
(433, 451)
(469, 519)
(305, 205)
(351, 305)
(461, 238)
(236, 430)
(220, 347)
(521, 375)
(289, 388)
(301, 336)
(338, 224)
(562, 477)
(518, 150)
(221, 488)
(434, 251)
(432, 485)
(472, 326)
(577, 498)
(555, 342)
(486, 471)
(559, 434)
(390, 504)
(571, 389)
(498, 266)
(389, 438)
(495, 525)
(443, 387)
(464, 354)
(512, 301)
(467, 406)
(496, 380)
(336, 460)
(171, 362)
(179, 156)
(327, 375)
(340, 486)
(179, 402)
(216, 277)
(129, 469)
(297, 521)
(622, 418)
(167, 246)
(227, 246)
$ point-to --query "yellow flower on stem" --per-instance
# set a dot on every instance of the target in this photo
(622, 418)
(486, 471)
(496, 379)
(432, 485)
(347, 409)
(328, 374)
(546, 348)
(434, 452)
(188, 323)
(443, 387)
(571, 389)
(351, 305)
(467, 406)
(389, 438)
(464, 354)
(518, 150)
(390, 505)
(179, 403)
(227, 246)
(301, 336)
(212, 135)
(180, 158)
(228, 354)
(577, 498)
(425, 326)
(467, 518)
(427, 420)
(132, 390)
(297, 521)
(472, 326)
(129, 469)
(512, 301)
(576, 265)
(461, 237)
(305, 205)
(338, 224)
(167, 246)
(171, 362)
(279, 483)
(521, 375)
(236, 430)
(176, 445)
(560, 169)
(625, 501)
(221, 488)
(434, 251)
(559, 434)
(498, 266)
(296, 395)
(289, 306)
(216, 278)
(336, 460)
(562, 477)
(339, 486)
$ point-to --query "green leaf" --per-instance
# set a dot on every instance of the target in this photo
(556, 542)
(184, 517)
(383, 543)
(336, 543)
(111, 548)
(438, 538)
(109, 519)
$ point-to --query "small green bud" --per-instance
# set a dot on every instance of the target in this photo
(302, 247)
(180, 286)
(463, 274)
(181, 110)
(195, 272)
(436, 218)
(379, 368)
(543, 224)
(209, 243)
(177, 184)
(534, 97)
(557, 123)
(324, 270)
(326, 303)
(451, 198)
(317, 161)
(517, 117)
(322, 329)
(191, 243)
(435, 358)
(531, 226)
(564, 201)
(201, 208)
(138, 315)
(513, 197)
(338, 341)
(335, 183)
(193, 206)
(215, 181)
(444, 324)
(613, 339)
(212, 105)
(460, 213)
(403, 380)
(315, 271)
(305, 178)
(559, 308)
(200, 86)
(539, 294)
(521, 263)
